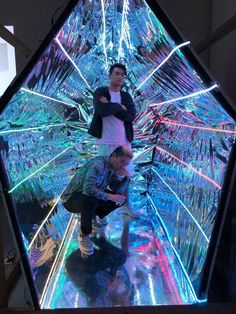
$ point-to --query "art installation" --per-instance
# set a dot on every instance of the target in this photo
(183, 142)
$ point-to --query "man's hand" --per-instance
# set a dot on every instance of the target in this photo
(117, 198)
(103, 99)
(122, 173)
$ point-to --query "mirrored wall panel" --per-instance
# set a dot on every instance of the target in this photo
(184, 134)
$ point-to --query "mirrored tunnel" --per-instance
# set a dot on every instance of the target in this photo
(184, 135)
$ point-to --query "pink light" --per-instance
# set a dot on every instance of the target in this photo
(165, 268)
(190, 167)
(163, 263)
(167, 121)
(191, 115)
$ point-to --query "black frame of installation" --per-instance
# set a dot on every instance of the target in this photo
(203, 73)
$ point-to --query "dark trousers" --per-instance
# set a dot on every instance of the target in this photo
(88, 207)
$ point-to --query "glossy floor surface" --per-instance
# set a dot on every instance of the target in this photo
(133, 265)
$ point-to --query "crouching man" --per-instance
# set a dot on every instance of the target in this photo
(97, 188)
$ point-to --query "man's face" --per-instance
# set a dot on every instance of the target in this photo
(117, 77)
(117, 163)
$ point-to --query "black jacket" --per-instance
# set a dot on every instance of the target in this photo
(114, 109)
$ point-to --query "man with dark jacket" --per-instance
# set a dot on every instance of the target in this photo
(95, 190)
(112, 123)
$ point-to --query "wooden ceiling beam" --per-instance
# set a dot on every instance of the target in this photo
(13, 40)
(219, 33)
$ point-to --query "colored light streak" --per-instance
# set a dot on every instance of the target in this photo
(162, 63)
(47, 97)
(190, 167)
(138, 297)
(42, 299)
(45, 220)
(69, 58)
(185, 207)
(124, 11)
(167, 121)
(63, 258)
(139, 155)
(33, 129)
(44, 166)
(76, 303)
(191, 115)
(104, 31)
(164, 263)
(203, 91)
(173, 248)
(170, 280)
(151, 288)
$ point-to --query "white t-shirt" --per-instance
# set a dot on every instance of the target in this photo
(113, 129)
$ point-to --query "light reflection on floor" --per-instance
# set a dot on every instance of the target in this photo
(148, 275)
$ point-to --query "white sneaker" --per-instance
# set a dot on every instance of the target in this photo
(85, 244)
(102, 221)
(99, 226)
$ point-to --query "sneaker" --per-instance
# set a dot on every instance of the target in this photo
(99, 225)
(126, 210)
(102, 221)
(85, 244)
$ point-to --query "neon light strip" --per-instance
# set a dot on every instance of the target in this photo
(69, 58)
(175, 252)
(122, 28)
(47, 97)
(45, 220)
(33, 129)
(32, 174)
(76, 303)
(188, 211)
(168, 270)
(167, 121)
(139, 155)
(104, 31)
(203, 91)
(42, 299)
(138, 298)
(190, 167)
(62, 262)
(151, 288)
(163, 62)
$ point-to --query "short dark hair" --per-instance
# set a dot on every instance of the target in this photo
(121, 151)
(118, 65)
(139, 49)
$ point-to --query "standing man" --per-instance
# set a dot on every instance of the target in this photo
(114, 113)
(88, 193)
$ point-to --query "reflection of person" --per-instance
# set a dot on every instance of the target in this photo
(87, 192)
(168, 76)
(103, 278)
(114, 112)
(144, 52)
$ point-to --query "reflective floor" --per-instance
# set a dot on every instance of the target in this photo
(133, 265)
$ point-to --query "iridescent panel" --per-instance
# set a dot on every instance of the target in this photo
(184, 134)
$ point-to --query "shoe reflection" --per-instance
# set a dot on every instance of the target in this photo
(102, 278)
